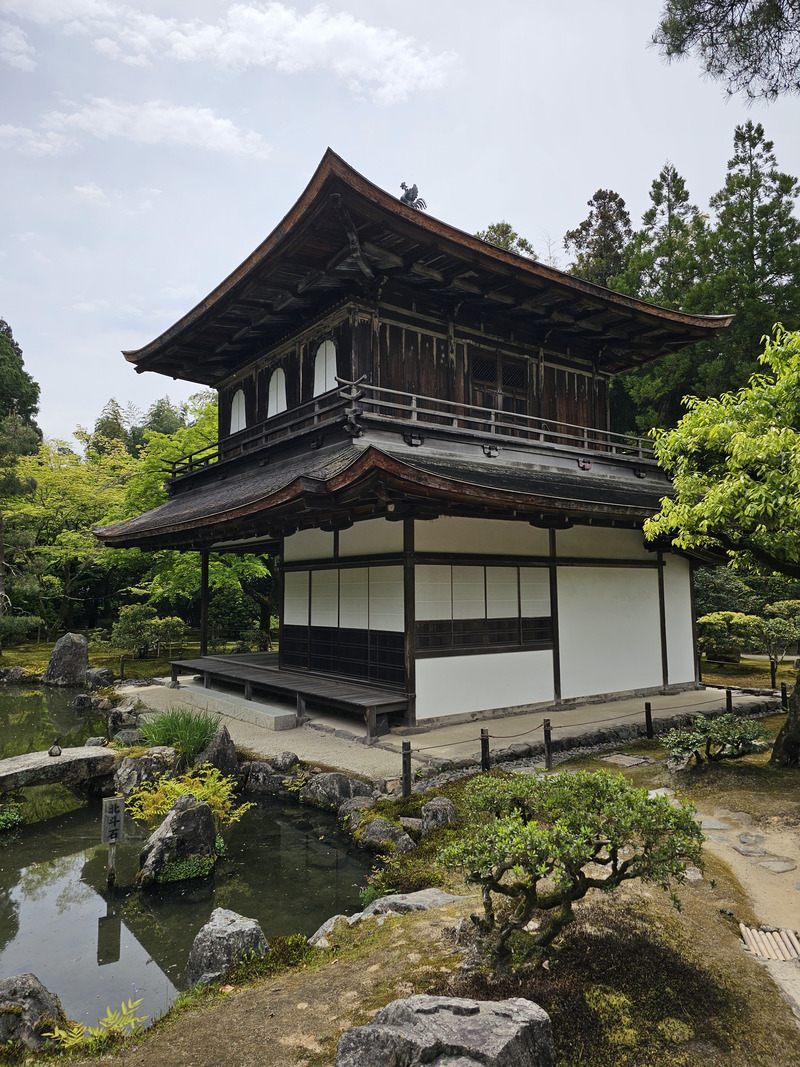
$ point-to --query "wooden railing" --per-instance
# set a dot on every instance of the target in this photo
(360, 403)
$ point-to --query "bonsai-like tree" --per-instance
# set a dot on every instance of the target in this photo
(536, 845)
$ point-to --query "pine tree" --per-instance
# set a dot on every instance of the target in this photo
(754, 259)
(19, 393)
(602, 240)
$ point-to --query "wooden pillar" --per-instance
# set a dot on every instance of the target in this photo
(204, 602)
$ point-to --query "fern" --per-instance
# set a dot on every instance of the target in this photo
(118, 1023)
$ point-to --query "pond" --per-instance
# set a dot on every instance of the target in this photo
(288, 867)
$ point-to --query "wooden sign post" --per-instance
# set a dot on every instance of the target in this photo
(113, 827)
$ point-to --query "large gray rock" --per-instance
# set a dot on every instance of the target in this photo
(225, 939)
(220, 752)
(12, 675)
(351, 812)
(132, 771)
(285, 762)
(379, 835)
(263, 781)
(451, 1032)
(421, 900)
(438, 812)
(73, 767)
(99, 677)
(331, 790)
(69, 661)
(27, 1011)
(188, 832)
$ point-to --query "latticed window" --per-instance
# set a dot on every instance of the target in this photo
(500, 382)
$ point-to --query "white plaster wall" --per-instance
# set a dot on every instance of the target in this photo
(308, 544)
(601, 543)
(478, 537)
(295, 598)
(371, 537)
(609, 630)
(678, 611)
(455, 685)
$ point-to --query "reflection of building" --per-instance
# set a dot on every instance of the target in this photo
(417, 422)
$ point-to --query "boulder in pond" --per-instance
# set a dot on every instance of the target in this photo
(27, 1011)
(450, 1031)
(12, 675)
(183, 846)
(220, 752)
(99, 677)
(285, 762)
(226, 938)
(132, 771)
(262, 780)
(69, 661)
(331, 790)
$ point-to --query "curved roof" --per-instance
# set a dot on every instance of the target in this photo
(344, 235)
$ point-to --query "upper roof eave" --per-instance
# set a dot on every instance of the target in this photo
(334, 170)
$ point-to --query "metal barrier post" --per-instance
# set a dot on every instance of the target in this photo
(728, 700)
(484, 749)
(548, 749)
(648, 719)
(406, 768)
(784, 697)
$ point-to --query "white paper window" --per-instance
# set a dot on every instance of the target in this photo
(386, 599)
(502, 594)
(238, 412)
(325, 598)
(325, 368)
(433, 593)
(276, 401)
(295, 598)
(354, 598)
(534, 584)
(469, 593)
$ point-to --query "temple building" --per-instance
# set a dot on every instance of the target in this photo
(416, 424)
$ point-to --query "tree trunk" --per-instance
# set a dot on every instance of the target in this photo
(786, 751)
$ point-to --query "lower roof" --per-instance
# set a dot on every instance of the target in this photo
(349, 481)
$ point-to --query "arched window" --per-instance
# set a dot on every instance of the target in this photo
(325, 368)
(276, 401)
(238, 415)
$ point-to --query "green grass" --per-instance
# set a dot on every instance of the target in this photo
(186, 731)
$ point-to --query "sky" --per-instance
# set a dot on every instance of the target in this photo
(148, 148)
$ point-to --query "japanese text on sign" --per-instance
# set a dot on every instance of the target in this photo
(113, 820)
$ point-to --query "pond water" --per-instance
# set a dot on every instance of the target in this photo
(288, 867)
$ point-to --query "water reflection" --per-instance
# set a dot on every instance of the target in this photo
(286, 867)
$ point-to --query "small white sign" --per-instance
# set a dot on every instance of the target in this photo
(113, 820)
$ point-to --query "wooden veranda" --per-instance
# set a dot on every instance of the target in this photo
(258, 673)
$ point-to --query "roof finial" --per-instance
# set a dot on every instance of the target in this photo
(410, 198)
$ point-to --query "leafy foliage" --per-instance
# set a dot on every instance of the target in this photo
(711, 739)
(601, 242)
(752, 46)
(541, 843)
(19, 393)
(735, 466)
(117, 1024)
(10, 817)
(503, 235)
(723, 634)
(138, 628)
(184, 730)
(151, 801)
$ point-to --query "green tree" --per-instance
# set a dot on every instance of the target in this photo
(17, 439)
(19, 393)
(664, 265)
(735, 467)
(753, 264)
(503, 235)
(601, 243)
(539, 844)
(752, 46)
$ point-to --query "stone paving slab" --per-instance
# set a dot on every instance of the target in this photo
(73, 766)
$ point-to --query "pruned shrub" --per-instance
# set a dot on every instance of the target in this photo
(709, 739)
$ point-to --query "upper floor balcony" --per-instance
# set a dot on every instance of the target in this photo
(360, 407)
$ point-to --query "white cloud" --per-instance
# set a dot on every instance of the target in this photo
(155, 122)
(92, 194)
(14, 47)
(380, 61)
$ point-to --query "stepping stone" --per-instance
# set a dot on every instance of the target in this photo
(751, 839)
(778, 865)
(750, 850)
(622, 760)
(693, 874)
(708, 823)
(721, 839)
(662, 792)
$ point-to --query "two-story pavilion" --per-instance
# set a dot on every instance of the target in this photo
(416, 423)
